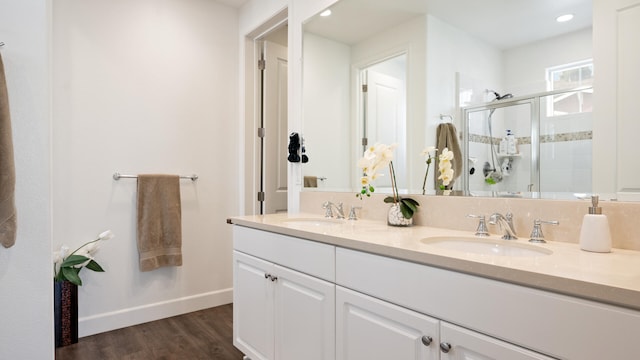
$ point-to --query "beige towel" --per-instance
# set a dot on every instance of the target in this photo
(311, 181)
(159, 221)
(446, 137)
(8, 218)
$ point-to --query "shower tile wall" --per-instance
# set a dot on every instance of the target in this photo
(565, 152)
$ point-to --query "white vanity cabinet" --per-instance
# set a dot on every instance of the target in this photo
(279, 312)
(458, 343)
(494, 319)
(302, 299)
(371, 329)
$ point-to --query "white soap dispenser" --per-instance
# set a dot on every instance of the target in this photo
(594, 234)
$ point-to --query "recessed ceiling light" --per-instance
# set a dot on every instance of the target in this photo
(326, 12)
(564, 18)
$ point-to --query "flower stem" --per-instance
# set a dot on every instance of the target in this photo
(424, 182)
(85, 244)
(394, 185)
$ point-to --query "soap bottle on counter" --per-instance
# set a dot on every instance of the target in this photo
(594, 234)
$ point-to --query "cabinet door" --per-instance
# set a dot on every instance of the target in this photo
(253, 307)
(464, 344)
(370, 329)
(304, 316)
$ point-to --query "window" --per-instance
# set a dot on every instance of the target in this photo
(571, 76)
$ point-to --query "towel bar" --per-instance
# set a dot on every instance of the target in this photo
(118, 176)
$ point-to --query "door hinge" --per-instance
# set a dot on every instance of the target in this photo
(261, 64)
(260, 195)
(262, 132)
(365, 88)
(365, 141)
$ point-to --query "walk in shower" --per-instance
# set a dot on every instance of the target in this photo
(553, 133)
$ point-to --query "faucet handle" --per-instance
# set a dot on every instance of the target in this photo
(340, 211)
(482, 225)
(352, 212)
(328, 213)
(536, 234)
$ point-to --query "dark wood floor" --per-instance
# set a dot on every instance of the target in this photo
(205, 334)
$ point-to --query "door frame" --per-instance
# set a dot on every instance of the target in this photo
(251, 166)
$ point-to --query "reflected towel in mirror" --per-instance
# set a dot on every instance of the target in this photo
(311, 181)
(447, 137)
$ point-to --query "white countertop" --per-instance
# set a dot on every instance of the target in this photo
(612, 278)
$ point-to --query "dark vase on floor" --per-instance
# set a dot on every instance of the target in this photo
(65, 313)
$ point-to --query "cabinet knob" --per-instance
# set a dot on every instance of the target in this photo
(426, 340)
(266, 276)
(274, 278)
(445, 347)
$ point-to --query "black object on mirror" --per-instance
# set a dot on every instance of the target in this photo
(294, 145)
(305, 158)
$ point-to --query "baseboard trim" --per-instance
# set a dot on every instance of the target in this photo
(99, 323)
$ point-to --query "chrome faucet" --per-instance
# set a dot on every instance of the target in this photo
(327, 206)
(506, 224)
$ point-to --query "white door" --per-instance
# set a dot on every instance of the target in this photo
(463, 344)
(304, 317)
(253, 307)
(371, 329)
(385, 122)
(616, 125)
(275, 124)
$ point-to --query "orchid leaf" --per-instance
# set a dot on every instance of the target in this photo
(73, 260)
(71, 275)
(92, 265)
(407, 213)
(389, 200)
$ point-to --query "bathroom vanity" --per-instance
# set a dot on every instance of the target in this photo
(306, 287)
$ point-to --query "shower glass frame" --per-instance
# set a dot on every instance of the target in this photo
(534, 104)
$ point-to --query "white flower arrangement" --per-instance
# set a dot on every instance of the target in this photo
(445, 168)
(374, 159)
(67, 266)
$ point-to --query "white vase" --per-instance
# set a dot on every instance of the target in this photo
(395, 217)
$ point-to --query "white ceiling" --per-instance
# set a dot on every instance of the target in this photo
(502, 23)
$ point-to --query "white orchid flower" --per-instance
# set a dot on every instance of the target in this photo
(446, 155)
(106, 235)
(427, 151)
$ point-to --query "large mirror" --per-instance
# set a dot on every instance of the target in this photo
(394, 71)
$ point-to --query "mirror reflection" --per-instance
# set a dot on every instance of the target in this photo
(422, 63)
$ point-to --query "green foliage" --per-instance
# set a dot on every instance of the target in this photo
(71, 266)
(408, 206)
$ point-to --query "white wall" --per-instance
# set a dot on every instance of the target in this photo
(26, 277)
(145, 87)
(327, 112)
(525, 66)
(451, 51)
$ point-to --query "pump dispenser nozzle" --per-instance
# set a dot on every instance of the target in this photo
(595, 209)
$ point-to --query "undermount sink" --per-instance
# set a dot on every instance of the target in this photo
(483, 246)
(313, 222)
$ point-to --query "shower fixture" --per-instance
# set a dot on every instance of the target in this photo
(492, 173)
(498, 96)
